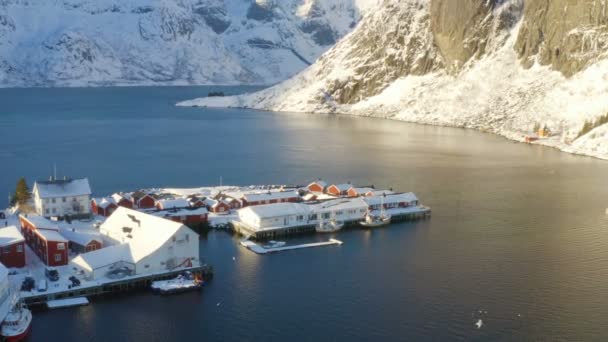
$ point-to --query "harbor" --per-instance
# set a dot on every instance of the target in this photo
(64, 247)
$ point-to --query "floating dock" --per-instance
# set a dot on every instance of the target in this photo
(261, 250)
(66, 303)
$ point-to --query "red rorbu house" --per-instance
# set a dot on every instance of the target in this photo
(12, 247)
(44, 239)
(317, 186)
(270, 197)
(103, 206)
(338, 189)
(217, 206)
(186, 216)
(81, 242)
(123, 200)
(234, 203)
(196, 202)
(356, 192)
(143, 201)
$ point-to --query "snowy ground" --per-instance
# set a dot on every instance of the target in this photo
(494, 94)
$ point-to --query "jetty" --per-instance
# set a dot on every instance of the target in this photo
(107, 287)
(254, 247)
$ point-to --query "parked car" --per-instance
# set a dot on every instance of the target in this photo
(28, 284)
(42, 285)
(75, 281)
(51, 273)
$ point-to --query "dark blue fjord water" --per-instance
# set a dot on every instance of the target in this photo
(518, 231)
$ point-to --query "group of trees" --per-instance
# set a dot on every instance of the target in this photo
(22, 193)
(591, 124)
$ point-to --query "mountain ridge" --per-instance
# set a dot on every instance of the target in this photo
(486, 67)
(170, 42)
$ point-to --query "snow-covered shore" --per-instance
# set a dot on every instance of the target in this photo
(494, 93)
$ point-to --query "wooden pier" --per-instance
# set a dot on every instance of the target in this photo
(111, 287)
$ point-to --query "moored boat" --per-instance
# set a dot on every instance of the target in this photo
(17, 323)
(375, 221)
(329, 226)
(182, 283)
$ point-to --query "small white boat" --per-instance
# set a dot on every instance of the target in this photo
(274, 244)
(329, 226)
(375, 221)
(372, 221)
(17, 323)
(182, 283)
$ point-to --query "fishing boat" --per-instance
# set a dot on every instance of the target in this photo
(17, 323)
(16, 318)
(331, 226)
(182, 283)
(372, 221)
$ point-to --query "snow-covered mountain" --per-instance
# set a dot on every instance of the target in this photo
(101, 42)
(504, 66)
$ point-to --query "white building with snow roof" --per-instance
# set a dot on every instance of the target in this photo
(141, 243)
(61, 197)
(274, 216)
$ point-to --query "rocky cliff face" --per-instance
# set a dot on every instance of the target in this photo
(565, 34)
(102, 42)
(498, 65)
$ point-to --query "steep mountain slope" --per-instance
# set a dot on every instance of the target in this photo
(98, 42)
(503, 66)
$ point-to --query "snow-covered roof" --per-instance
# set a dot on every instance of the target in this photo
(361, 191)
(51, 235)
(374, 192)
(80, 238)
(394, 198)
(270, 195)
(217, 203)
(342, 187)
(105, 256)
(181, 212)
(173, 203)
(277, 210)
(143, 232)
(41, 222)
(104, 202)
(62, 188)
(210, 202)
(319, 182)
(10, 235)
(309, 197)
(339, 204)
(117, 197)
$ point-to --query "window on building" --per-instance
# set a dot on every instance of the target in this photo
(325, 215)
(146, 266)
(60, 246)
(6, 250)
(63, 199)
(74, 199)
(54, 210)
(52, 200)
(19, 248)
(313, 217)
(300, 218)
(46, 211)
(187, 237)
(58, 257)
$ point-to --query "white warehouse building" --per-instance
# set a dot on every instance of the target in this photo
(262, 220)
(140, 244)
(61, 197)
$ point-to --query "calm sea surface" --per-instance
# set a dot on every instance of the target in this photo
(518, 232)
